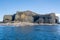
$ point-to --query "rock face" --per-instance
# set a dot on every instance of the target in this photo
(7, 18)
(56, 19)
(48, 18)
(23, 18)
(32, 17)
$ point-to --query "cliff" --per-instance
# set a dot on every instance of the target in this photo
(31, 17)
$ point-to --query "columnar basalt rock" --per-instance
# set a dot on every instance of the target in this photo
(24, 16)
(56, 19)
(7, 18)
(32, 17)
(47, 18)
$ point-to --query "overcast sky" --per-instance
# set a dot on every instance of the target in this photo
(39, 6)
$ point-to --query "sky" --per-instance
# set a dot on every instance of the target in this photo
(10, 7)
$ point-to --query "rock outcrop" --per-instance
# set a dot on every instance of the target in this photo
(7, 18)
(32, 17)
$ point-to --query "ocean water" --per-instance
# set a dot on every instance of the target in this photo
(38, 32)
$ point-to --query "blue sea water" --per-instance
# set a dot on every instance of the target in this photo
(38, 32)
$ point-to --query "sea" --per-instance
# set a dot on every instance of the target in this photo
(36, 32)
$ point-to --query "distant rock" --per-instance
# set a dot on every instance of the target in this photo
(32, 17)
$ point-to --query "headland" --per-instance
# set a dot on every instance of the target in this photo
(29, 18)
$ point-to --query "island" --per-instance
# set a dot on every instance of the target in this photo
(30, 18)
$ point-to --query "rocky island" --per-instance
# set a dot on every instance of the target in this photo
(30, 18)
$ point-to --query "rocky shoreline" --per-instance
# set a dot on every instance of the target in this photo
(24, 24)
(18, 24)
